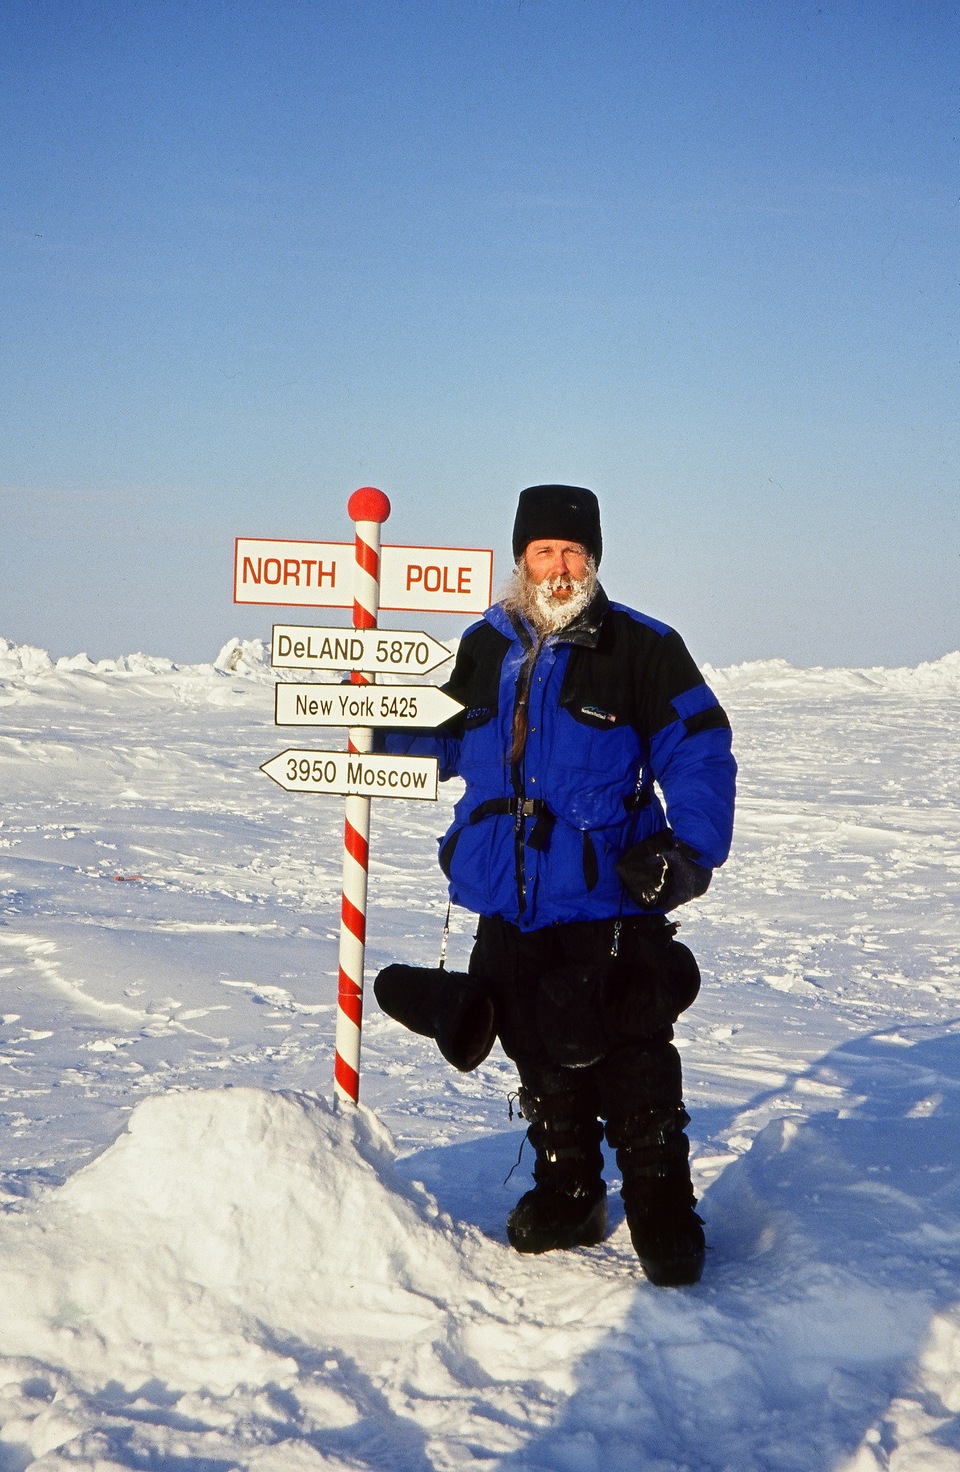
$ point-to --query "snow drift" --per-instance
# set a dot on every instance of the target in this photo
(207, 1267)
(219, 1225)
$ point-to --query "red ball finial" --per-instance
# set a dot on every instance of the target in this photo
(368, 504)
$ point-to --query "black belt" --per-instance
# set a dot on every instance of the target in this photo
(519, 809)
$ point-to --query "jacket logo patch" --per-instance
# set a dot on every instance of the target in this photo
(598, 714)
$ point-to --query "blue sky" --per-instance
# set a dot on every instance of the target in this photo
(699, 256)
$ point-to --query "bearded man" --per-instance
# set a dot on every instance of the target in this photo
(586, 727)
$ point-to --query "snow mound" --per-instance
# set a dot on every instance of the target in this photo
(219, 1230)
(22, 662)
(28, 673)
(127, 664)
(243, 657)
(934, 677)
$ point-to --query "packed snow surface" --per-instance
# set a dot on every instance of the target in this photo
(205, 1265)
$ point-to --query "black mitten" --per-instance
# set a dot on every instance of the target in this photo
(661, 873)
(454, 1009)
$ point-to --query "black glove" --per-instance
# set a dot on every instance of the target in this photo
(661, 873)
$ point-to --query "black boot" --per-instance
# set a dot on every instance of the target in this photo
(568, 1205)
(652, 1153)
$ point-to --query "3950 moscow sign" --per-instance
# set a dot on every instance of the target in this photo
(350, 774)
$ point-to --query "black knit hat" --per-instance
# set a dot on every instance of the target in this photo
(555, 513)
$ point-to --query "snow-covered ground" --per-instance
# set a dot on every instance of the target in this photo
(206, 1267)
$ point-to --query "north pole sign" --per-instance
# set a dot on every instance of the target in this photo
(321, 574)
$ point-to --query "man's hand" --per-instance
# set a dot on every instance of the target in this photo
(661, 873)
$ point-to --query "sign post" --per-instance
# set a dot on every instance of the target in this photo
(369, 508)
(318, 575)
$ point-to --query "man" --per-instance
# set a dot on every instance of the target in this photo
(576, 710)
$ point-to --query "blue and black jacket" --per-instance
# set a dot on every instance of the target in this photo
(613, 709)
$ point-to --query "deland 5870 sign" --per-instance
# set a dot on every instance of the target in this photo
(321, 574)
(378, 651)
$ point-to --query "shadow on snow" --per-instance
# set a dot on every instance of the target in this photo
(835, 1249)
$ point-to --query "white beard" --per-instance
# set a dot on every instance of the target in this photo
(537, 603)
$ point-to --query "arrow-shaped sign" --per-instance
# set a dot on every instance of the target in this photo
(363, 705)
(294, 647)
(351, 774)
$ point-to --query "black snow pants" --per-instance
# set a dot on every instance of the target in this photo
(579, 1022)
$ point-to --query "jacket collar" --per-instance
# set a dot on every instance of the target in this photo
(585, 629)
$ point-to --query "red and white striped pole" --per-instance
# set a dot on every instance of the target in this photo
(369, 508)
